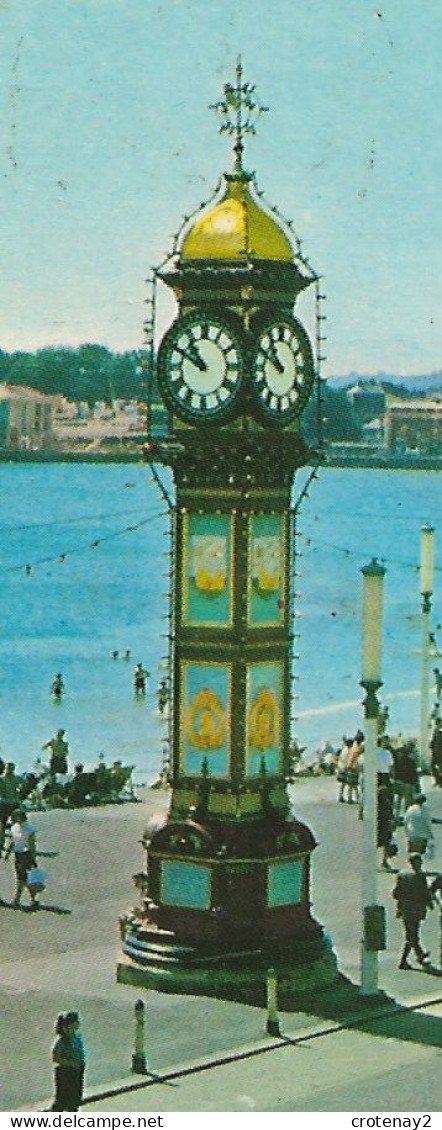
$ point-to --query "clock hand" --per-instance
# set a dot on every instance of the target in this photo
(191, 354)
(273, 357)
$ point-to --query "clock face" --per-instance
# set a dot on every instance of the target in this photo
(200, 367)
(282, 370)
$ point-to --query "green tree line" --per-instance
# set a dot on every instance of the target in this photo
(92, 372)
(89, 372)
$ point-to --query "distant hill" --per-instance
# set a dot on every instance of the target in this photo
(419, 382)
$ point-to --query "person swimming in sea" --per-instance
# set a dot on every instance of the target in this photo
(57, 688)
(140, 676)
(163, 695)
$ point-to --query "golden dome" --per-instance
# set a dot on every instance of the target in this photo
(236, 228)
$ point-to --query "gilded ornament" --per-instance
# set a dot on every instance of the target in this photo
(263, 720)
(206, 720)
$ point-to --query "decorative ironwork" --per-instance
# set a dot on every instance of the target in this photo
(239, 111)
(320, 317)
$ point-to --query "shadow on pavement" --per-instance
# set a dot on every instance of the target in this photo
(381, 1015)
(32, 910)
(54, 909)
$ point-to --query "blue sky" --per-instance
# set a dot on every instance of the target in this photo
(107, 140)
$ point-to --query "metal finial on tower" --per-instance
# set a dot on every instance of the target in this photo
(239, 112)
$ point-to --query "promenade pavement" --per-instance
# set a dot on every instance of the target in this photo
(389, 1068)
(56, 960)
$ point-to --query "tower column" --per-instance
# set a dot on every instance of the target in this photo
(228, 876)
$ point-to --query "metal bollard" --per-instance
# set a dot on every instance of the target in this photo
(273, 1028)
(139, 1063)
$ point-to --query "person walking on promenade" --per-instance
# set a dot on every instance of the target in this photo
(405, 782)
(10, 786)
(436, 753)
(2, 833)
(417, 825)
(24, 848)
(413, 898)
(342, 767)
(58, 763)
(385, 824)
(355, 766)
(348, 767)
(437, 683)
(384, 761)
(69, 1057)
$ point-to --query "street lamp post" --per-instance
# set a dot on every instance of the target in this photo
(373, 915)
(426, 588)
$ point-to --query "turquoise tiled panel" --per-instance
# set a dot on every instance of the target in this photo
(207, 570)
(205, 718)
(266, 569)
(185, 884)
(284, 883)
(264, 718)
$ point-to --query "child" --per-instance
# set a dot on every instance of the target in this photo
(69, 1058)
(23, 846)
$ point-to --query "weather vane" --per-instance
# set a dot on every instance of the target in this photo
(239, 112)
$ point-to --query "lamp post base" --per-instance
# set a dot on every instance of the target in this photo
(369, 973)
(139, 1065)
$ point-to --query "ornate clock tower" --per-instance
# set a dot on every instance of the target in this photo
(226, 887)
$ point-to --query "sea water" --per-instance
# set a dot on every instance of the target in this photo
(84, 558)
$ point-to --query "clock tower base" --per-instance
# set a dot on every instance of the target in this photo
(221, 904)
(303, 968)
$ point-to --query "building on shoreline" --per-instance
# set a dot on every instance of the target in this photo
(414, 424)
(80, 428)
(26, 418)
(367, 400)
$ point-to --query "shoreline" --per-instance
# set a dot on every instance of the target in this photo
(70, 456)
(378, 461)
(381, 462)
